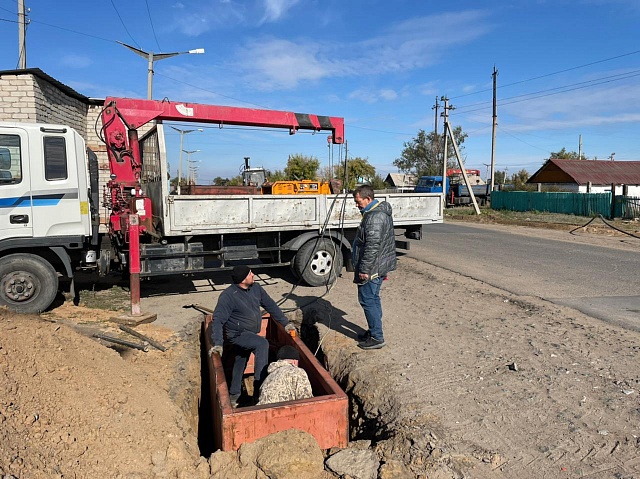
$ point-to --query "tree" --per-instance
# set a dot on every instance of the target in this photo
(567, 155)
(422, 155)
(359, 171)
(519, 180)
(501, 176)
(277, 175)
(235, 181)
(377, 183)
(325, 173)
(219, 181)
(301, 167)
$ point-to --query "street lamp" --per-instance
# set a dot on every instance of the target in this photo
(194, 173)
(189, 161)
(182, 133)
(158, 56)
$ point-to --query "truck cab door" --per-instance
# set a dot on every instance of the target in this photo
(16, 210)
(59, 184)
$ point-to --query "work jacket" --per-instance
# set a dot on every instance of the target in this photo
(238, 310)
(374, 247)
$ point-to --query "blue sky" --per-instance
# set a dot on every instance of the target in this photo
(566, 68)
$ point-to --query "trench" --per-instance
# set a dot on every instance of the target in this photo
(192, 392)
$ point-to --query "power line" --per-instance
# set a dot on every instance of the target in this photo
(564, 88)
(72, 31)
(125, 27)
(554, 73)
(381, 131)
(210, 91)
(151, 22)
(522, 141)
(571, 89)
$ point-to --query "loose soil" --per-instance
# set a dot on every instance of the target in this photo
(474, 383)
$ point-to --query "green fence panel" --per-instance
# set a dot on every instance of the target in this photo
(579, 204)
(627, 207)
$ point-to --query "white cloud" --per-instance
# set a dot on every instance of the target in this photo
(373, 96)
(607, 104)
(203, 17)
(76, 61)
(388, 94)
(276, 9)
(409, 45)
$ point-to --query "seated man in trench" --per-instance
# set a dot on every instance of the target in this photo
(236, 323)
(285, 381)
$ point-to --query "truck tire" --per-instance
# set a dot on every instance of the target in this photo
(318, 262)
(28, 283)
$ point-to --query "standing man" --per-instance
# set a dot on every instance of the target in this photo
(374, 255)
(237, 315)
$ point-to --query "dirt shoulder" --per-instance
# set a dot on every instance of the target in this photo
(500, 386)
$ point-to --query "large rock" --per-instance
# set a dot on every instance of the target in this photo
(290, 454)
(355, 463)
(395, 470)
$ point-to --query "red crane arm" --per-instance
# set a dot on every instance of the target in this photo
(138, 112)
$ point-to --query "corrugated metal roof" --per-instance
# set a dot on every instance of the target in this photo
(401, 180)
(598, 172)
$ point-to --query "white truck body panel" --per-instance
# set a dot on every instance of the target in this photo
(223, 214)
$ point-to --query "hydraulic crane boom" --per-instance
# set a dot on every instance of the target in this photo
(121, 118)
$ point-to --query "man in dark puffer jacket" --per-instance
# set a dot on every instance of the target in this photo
(374, 256)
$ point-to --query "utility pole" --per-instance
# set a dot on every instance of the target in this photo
(448, 132)
(495, 124)
(487, 165)
(580, 147)
(435, 130)
(445, 154)
(22, 36)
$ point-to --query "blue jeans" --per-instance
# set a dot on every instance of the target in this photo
(369, 298)
(245, 344)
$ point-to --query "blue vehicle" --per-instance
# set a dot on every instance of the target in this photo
(457, 193)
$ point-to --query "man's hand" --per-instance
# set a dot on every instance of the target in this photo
(215, 350)
(290, 327)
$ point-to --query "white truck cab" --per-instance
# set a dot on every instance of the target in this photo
(45, 212)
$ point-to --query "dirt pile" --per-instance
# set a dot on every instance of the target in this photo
(72, 408)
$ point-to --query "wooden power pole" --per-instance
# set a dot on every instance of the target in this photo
(22, 36)
(495, 124)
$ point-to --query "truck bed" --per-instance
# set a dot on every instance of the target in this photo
(221, 214)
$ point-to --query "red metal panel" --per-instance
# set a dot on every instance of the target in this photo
(325, 416)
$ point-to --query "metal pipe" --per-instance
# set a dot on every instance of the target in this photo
(138, 335)
(129, 344)
(134, 263)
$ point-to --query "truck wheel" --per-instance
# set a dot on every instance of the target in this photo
(318, 262)
(28, 283)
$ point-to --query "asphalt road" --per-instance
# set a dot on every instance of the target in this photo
(595, 274)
